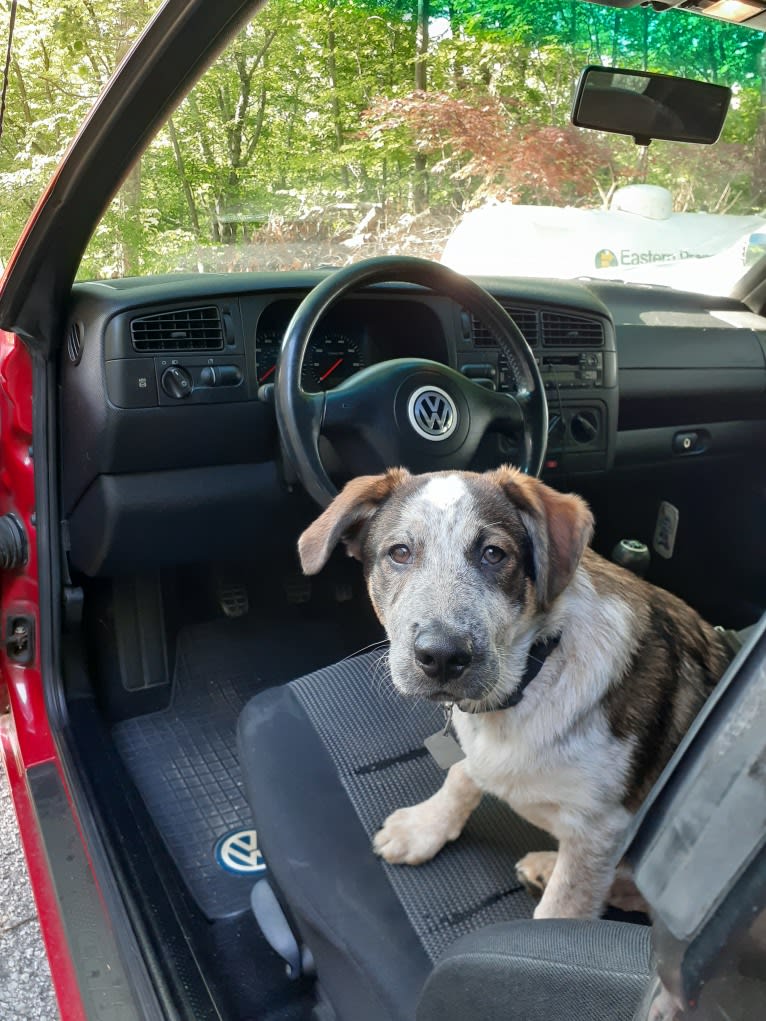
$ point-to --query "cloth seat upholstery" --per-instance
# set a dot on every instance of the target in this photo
(325, 759)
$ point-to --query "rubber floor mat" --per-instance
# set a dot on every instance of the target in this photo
(183, 759)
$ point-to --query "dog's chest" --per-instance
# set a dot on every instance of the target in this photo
(558, 785)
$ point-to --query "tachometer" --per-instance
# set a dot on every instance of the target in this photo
(267, 345)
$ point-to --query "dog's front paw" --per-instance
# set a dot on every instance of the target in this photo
(665, 1006)
(410, 836)
(534, 871)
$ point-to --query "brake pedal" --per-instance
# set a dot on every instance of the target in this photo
(232, 598)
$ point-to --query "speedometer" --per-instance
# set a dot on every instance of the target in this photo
(331, 358)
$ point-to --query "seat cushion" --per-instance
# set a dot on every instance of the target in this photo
(542, 971)
(326, 758)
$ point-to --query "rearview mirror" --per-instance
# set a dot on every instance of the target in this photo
(647, 105)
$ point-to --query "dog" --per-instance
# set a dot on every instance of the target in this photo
(571, 680)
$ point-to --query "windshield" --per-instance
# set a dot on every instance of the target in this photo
(330, 131)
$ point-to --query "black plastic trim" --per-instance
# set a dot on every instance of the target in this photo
(50, 640)
(655, 446)
(126, 522)
(101, 976)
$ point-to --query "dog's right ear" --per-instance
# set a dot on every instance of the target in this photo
(559, 525)
(343, 519)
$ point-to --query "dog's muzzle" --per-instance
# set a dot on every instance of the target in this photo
(444, 660)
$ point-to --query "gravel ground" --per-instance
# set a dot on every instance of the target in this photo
(26, 993)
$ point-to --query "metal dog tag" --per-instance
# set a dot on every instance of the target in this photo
(444, 749)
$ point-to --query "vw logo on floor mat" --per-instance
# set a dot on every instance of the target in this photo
(238, 852)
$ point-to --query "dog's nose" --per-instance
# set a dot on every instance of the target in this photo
(442, 656)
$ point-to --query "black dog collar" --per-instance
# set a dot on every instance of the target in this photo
(536, 658)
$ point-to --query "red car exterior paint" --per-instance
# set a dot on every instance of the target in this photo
(25, 734)
(19, 588)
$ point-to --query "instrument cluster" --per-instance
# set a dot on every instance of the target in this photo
(332, 356)
(356, 333)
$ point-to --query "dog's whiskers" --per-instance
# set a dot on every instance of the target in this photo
(365, 648)
(380, 677)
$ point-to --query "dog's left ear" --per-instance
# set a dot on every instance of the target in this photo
(344, 518)
(560, 526)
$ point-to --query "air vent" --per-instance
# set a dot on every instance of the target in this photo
(571, 331)
(187, 329)
(74, 343)
(525, 318)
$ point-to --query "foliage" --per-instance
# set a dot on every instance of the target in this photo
(307, 133)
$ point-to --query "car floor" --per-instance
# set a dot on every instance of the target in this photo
(183, 762)
(183, 759)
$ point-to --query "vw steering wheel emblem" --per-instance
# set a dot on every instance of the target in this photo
(432, 413)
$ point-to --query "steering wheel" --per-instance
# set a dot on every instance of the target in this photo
(406, 411)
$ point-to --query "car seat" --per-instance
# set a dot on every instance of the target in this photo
(326, 758)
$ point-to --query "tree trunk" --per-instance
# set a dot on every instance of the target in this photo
(759, 144)
(131, 189)
(229, 199)
(645, 39)
(130, 196)
(712, 54)
(29, 119)
(332, 73)
(421, 84)
(185, 184)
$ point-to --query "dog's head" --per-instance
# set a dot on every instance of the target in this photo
(458, 567)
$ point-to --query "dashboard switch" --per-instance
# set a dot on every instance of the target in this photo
(229, 375)
(176, 382)
(220, 375)
(131, 383)
(479, 370)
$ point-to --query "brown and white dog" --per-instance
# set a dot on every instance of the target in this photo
(469, 574)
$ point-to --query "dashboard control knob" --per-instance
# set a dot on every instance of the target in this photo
(584, 427)
(176, 382)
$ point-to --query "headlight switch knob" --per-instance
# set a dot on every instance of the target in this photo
(176, 382)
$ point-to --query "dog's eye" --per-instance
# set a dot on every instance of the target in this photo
(400, 554)
(492, 555)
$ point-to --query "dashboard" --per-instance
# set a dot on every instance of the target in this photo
(168, 422)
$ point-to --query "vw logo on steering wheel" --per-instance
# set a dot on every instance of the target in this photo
(432, 413)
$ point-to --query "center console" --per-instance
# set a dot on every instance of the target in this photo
(578, 363)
